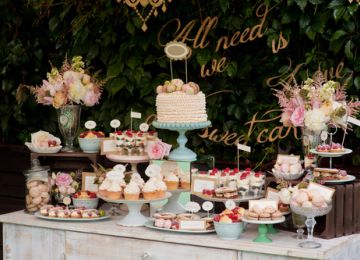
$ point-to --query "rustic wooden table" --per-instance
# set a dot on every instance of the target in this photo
(27, 237)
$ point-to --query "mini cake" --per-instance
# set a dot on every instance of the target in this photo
(114, 191)
(177, 102)
(243, 184)
(226, 192)
(256, 182)
(185, 181)
(172, 181)
(333, 148)
(132, 191)
(104, 187)
(161, 188)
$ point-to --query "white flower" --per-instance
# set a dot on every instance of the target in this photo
(327, 90)
(153, 170)
(315, 120)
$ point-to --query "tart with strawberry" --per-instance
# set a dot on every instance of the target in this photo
(92, 134)
(230, 216)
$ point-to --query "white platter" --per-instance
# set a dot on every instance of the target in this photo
(150, 224)
(38, 215)
(348, 179)
(238, 199)
(331, 154)
(117, 157)
(53, 149)
(139, 201)
(251, 221)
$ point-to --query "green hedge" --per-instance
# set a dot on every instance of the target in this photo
(320, 32)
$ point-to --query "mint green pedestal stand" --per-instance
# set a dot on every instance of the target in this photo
(182, 153)
(264, 228)
(262, 234)
(271, 229)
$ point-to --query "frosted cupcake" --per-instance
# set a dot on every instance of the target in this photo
(135, 177)
(150, 190)
(103, 188)
(172, 181)
(132, 191)
(114, 191)
(161, 188)
(185, 181)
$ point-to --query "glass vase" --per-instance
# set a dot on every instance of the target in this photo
(69, 120)
(310, 140)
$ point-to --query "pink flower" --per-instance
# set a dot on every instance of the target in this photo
(158, 149)
(91, 98)
(63, 179)
(62, 189)
(297, 117)
(70, 190)
(285, 118)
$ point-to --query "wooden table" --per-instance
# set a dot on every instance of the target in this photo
(27, 237)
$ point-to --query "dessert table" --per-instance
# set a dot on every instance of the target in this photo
(27, 237)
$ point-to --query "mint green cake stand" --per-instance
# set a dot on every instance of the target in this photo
(263, 231)
(182, 153)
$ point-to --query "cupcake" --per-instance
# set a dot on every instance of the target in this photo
(132, 191)
(185, 181)
(161, 188)
(104, 186)
(114, 191)
(150, 190)
(135, 177)
(172, 181)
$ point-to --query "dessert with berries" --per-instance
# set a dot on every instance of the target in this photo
(327, 148)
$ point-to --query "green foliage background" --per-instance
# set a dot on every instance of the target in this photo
(108, 35)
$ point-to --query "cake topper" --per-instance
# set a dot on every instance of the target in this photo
(177, 51)
(90, 124)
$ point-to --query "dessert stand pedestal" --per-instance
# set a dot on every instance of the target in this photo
(264, 229)
(331, 155)
(134, 160)
(182, 153)
(173, 204)
(134, 218)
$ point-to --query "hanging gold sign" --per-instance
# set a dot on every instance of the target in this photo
(154, 4)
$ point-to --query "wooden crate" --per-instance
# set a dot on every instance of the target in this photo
(344, 218)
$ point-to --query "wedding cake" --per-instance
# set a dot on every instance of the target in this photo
(177, 102)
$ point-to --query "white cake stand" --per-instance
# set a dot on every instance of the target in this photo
(173, 204)
(182, 153)
(134, 160)
(134, 218)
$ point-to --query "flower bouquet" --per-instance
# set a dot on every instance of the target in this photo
(63, 186)
(315, 105)
(66, 89)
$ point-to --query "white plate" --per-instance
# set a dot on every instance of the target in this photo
(139, 201)
(117, 157)
(348, 179)
(331, 154)
(53, 149)
(150, 224)
(37, 214)
(263, 221)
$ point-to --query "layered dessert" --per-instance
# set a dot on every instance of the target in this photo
(177, 102)
(329, 174)
(327, 148)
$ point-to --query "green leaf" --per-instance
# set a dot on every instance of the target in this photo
(338, 34)
(130, 27)
(348, 51)
(203, 56)
(339, 12)
(357, 82)
(115, 69)
(336, 3)
(53, 23)
(304, 21)
(224, 5)
(231, 70)
(301, 4)
(116, 85)
(310, 33)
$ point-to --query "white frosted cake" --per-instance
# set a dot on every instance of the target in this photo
(177, 102)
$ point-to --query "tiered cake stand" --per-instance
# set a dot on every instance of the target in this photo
(134, 160)
(331, 155)
(182, 153)
(134, 218)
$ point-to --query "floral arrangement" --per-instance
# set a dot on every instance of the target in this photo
(69, 85)
(315, 104)
(157, 150)
(64, 185)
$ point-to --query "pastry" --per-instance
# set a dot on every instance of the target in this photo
(185, 181)
(76, 214)
(269, 210)
(165, 215)
(187, 216)
(252, 215)
(44, 210)
(161, 188)
(114, 192)
(276, 215)
(132, 191)
(226, 192)
(329, 174)
(264, 216)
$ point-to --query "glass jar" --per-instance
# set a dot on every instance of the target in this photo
(37, 187)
